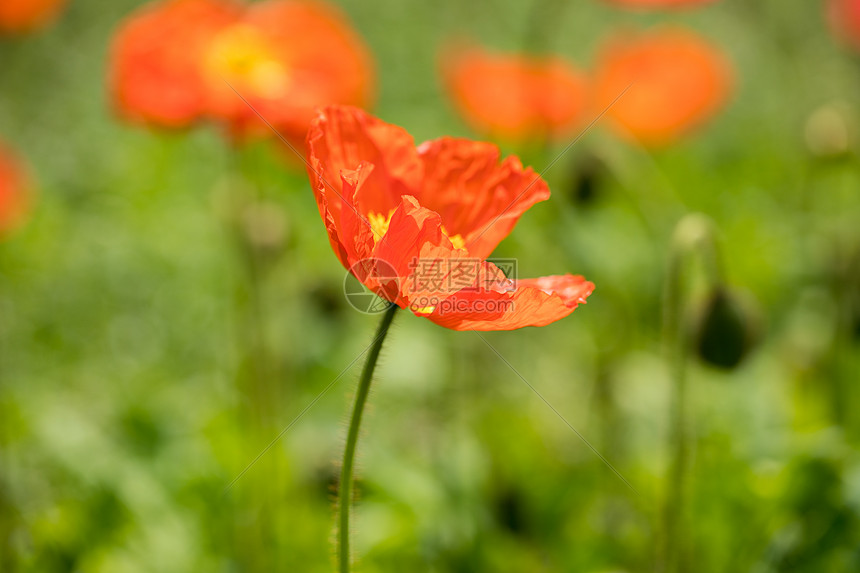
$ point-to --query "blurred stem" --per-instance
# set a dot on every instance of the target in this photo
(262, 389)
(8, 511)
(541, 27)
(544, 17)
(841, 398)
(694, 234)
(663, 196)
(604, 396)
(630, 179)
(345, 490)
(255, 376)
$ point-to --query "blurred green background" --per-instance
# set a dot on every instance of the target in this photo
(163, 319)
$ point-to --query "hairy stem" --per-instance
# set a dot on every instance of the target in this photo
(345, 491)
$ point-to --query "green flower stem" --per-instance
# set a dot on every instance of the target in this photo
(257, 368)
(693, 235)
(345, 492)
(542, 25)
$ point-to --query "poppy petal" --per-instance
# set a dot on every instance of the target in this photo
(515, 97)
(155, 73)
(532, 302)
(844, 18)
(478, 197)
(676, 80)
(15, 191)
(27, 15)
(354, 230)
(651, 4)
(428, 266)
(341, 138)
(288, 58)
(331, 227)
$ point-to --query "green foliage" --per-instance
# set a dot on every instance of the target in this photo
(165, 315)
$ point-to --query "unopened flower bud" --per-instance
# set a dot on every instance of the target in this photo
(727, 329)
(587, 177)
(265, 225)
(829, 131)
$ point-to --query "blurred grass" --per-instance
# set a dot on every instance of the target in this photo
(131, 354)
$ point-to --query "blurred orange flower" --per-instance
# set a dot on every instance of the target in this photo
(286, 58)
(14, 190)
(844, 16)
(647, 4)
(19, 16)
(677, 81)
(155, 71)
(177, 61)
(415, 225)
(516, 97)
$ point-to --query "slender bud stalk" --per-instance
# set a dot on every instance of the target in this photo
(693, 235)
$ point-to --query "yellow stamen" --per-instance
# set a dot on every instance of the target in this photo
(379, 224)
(243, 56)
(456, 240)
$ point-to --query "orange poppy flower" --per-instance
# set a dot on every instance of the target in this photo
(648, 4)
(14, 191)
(178, 61)
(516, 97)
(19, 16)
(415, 225)
(156, 75)
(676, 79)
(844, 16)
(286, 58)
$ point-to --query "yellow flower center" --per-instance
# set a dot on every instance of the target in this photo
(456, 240)
(243, 56)
(379, 225)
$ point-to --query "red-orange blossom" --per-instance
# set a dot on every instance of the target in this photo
(390, 207)
(15, 192)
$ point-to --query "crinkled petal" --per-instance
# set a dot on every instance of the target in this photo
(531, 302)
(341, 138)
(478, 197)
(354, 230)
(428, 267)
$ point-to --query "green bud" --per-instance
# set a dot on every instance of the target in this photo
(727, 330)
(586, 179)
